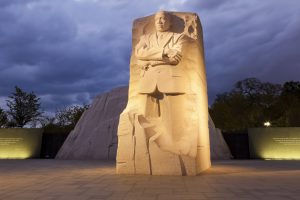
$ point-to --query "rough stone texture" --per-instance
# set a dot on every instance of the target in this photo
(95, 135)
(218, 148)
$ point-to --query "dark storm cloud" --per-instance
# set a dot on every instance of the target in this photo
(64, 61)
(249, 39)
(69, 51)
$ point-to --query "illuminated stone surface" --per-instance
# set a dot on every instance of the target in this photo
(274, 143)
(20, 143)
(164, 127)
(95, 135)
(96, 180)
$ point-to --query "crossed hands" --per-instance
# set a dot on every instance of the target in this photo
(172, 56)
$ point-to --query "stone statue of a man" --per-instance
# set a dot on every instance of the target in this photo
(160, 123)
(164, 85)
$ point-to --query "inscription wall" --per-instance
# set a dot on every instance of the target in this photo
(274, 143)
(19, 143)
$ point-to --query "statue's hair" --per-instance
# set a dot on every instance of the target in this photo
(166, 13)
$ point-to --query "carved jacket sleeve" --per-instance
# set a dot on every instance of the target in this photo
(176, 44)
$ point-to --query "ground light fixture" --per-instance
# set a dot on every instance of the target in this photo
(267, 124)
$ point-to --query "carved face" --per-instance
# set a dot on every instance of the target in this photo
(162, 22)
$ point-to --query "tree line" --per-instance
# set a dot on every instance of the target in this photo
(24, 110)
(252, 102)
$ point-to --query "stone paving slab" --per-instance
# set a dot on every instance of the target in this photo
(96, 180)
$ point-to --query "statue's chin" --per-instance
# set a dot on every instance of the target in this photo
(161, 30)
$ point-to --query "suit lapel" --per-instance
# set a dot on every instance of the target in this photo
(165, 40)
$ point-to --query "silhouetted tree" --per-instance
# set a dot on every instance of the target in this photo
(290, 104)
(249, 104)
(23, 107)
(3, 118)
(69, 116)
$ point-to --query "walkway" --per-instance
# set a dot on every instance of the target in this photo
(87, 180)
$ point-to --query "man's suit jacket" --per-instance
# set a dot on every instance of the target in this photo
(157, 73)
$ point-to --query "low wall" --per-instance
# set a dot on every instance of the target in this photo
(274, 143)
(20, 143)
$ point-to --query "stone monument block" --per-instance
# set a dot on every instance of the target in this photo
(95, 134)
(164, 127)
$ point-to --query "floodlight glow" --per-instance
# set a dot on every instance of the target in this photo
(15, 155)
(267, 124)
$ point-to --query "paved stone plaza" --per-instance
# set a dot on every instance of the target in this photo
(87, 180)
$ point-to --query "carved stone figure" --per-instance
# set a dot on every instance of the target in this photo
(164, 127)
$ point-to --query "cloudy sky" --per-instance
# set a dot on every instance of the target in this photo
(69, 51)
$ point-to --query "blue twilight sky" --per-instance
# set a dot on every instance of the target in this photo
(68, 51)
